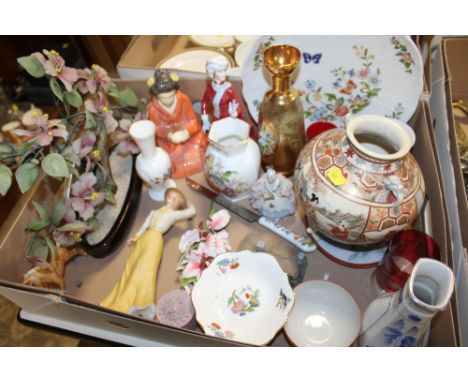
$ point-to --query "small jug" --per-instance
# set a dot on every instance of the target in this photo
(232, 159)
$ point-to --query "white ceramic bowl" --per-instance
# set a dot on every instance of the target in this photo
(243, 296)
(324, 314)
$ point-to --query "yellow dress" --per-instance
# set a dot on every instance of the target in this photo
(136, 288)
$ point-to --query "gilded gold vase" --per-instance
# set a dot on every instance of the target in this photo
(281, 116)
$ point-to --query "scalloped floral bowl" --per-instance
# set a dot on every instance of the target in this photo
(243, 296)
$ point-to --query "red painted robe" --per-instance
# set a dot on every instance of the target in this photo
(218, 110)
(187, 157)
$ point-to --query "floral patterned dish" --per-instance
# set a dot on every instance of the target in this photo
(344, 74)
(244, 296)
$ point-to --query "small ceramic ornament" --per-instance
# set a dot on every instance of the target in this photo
(360, 185)
(178, 128)
(219, 100)
(175, 308)
(135, 291)
(403, 318)
(153, 164)
(232, 159)
(273, 195)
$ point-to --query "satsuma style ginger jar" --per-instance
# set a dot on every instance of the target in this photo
(232, 159)
(360, 185)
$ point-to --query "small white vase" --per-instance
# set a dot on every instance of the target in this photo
(403, 318)
(232, 159)
(153, 164)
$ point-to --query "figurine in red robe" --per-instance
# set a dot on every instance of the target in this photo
(178, 129)
(220, 100)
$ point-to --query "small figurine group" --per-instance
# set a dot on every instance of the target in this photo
(273, 195)
(178, 129)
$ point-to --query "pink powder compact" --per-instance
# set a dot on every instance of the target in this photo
(175, 309)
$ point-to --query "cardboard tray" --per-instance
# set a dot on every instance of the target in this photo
(78, 306)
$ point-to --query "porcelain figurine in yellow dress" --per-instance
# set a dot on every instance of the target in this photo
(135, 292)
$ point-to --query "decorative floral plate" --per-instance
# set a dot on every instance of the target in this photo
(344, 74)
(244, 296)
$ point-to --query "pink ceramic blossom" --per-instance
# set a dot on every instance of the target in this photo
(218, 220)
(216, 243)
(127, 144)
(85, 198)
(54, 66)
(84, 148)
(91, 79)
(101, 108)
(196, 265)
(44, 133)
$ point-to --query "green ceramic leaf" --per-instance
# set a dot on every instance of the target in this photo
(51, 246)
(56, 89)
(127, 97)
(73, 98)
(54, 165)
(6, 148)
(71, 156)
(5, 179)
(39, 249)
(90, 121)
(36, 225)
(76, 226)
(32, 65)
(41, 210)
(93, 224)
(26, 175)
(58, 212)
(109, 196)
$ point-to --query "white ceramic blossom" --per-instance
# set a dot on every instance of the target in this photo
(153, 164)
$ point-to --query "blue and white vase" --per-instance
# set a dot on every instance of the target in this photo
(403, 318)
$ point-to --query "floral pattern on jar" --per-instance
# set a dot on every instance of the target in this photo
(226, 181)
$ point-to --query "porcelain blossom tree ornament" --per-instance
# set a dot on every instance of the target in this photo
(232, 159)
(403, 318)
(153, 164)
(273, 195)
(360, 185)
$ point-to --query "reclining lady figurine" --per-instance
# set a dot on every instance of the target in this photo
(135, 292)
(178, 128)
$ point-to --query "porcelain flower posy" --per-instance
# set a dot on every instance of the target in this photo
(199, 247)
